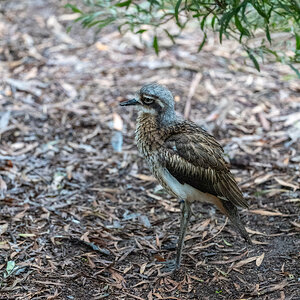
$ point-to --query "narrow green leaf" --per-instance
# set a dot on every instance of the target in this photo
(74, 8)
(267, 50)
(203, 42)
(226, 18)
(295, 70)
(259, 10)
(171, 37)
(154, 2)
(240, 27)
(196, 15)
(141, 31)
(155, 45)
(297, 36)
(268, 34)
(89, 25)
(79, 18)
(227, 243)
(177, 12)
(26, 234)
(213, 22)
(105, 22)
(203, 22)
(125, 3)
(238, 24)
(225, 22)
(254, 60)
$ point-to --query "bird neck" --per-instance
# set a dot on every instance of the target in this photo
(146, 122)
(152, 122)
(148, 134)
(166, 119)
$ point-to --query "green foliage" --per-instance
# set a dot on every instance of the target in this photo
(241, 20)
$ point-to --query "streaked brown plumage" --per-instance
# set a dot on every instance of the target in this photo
(187, 161)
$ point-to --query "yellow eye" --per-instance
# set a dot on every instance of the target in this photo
(147, 100)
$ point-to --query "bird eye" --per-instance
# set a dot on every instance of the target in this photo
(147, 100)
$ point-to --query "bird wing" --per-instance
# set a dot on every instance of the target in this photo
(194, 157)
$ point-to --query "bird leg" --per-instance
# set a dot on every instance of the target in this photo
(174, 264)
(185, 217)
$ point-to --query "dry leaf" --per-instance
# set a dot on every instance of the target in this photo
(292, 118)
(245, 261)
(4, 120)
(262, 179)
(69, 170)
(91, 263)
(144, 177)
(49, 283)
(118, 122)
(69, 89)
(284, 183)
(3, 187)
(3, 228)
(255, 232)
(266, 212)
(196, 278)
(260, 259)
(159, 258)
(274, 287)
(293, 200)
(117, 140)
(156, 294)
(264, 122)
(116, 276)
(295, 224)
(85, 237)
(255, 242)
(4, 245)
(31, 87)
(127, 269)
(101, 47)
(20, 215)
(25, 149)
(142, 268)
(149, 296)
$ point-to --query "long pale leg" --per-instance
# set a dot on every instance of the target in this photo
(172, 265)
(185, 217)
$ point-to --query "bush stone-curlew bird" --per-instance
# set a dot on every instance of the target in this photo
(186, 160)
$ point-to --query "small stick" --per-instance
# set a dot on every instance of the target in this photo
(193, 86)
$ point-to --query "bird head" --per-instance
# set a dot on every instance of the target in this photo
(153, 98)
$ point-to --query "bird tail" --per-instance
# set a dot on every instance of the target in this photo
(231, 211)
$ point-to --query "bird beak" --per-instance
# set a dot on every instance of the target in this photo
(129, 102)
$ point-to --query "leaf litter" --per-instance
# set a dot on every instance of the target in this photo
(81, 217)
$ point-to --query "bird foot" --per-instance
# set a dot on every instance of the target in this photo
(170, 266)
(171, 245)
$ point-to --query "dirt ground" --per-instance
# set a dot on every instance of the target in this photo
(81, 217)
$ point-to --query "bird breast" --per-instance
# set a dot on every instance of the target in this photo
(147, 135)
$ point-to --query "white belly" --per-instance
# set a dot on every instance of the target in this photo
(183, 191)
